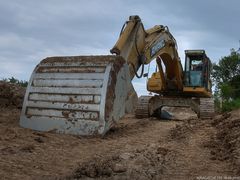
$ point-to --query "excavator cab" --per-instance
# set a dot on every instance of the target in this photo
(197, 72)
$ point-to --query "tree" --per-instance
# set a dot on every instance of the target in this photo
(235, 84)
(13, 80)
(226, 78)
(227, 68)
(16, 81)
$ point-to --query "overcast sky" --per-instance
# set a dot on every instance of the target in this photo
(32, 30)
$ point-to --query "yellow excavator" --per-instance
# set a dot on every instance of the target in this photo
(87, 95)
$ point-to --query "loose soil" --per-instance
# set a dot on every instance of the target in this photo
(183, 148)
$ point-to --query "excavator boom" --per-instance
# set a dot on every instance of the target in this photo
(139, 46)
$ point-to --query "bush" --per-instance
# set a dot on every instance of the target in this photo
(16, 81)
(231, 105)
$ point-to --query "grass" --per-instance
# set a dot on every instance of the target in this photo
(231, 105)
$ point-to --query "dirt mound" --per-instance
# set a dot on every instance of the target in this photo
(28, 154)
(11, 94)
(133, 149)
(183, 131)
(145, 163)
(226, 143)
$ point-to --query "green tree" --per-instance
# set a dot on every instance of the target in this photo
(226, 78)
(16, 81)
(227, 68)
(235, 84)
(13, 80)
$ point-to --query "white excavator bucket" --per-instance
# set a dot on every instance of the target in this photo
(82, 95)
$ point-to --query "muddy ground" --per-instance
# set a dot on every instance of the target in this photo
(183, 148)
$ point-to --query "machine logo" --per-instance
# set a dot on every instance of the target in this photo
(156, 47)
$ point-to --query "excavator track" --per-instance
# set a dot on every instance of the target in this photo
(206, 108)
(142, 108)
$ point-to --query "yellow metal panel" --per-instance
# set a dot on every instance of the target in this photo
(155, 83)
(197, 90)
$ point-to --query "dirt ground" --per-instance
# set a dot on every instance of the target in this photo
(183, 148)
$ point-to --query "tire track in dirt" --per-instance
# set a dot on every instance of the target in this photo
(194, 157)
(133, 149)
(182, 154)
(29, 154)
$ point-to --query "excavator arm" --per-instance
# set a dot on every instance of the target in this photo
(139, 46)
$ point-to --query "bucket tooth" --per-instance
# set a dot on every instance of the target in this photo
(82, 95)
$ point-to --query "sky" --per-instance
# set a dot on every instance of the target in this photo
(32, 30)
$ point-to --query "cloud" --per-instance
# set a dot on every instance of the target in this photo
(33, 30)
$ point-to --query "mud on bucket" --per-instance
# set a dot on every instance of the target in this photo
(82, 95)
